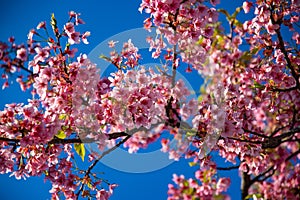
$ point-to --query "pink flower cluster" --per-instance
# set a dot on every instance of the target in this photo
(248, 111)
(204, 186)
(128, 57)
(67, 95)
(182, 23)
(137, 100)
(12, 60)
(260, 95)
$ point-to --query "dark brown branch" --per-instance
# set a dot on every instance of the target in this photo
(284, 89)
(277, 130)
(56, 140)
(87, 173)
(9, 140)
(116, 135)
(274, 142)
(292, 155)
(270, 142)
(19, 64)
(263, 177)
(255, 133)
(71, 141)
(247, 181)
(283, 50)
(174, 65)
(295, 112)
(245, 184)
(244, 140)
(257, 178)
(228, 168)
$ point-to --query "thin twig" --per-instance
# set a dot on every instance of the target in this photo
(87, 173)
(257, 178)
(255, 133)
(56, 140)
(20, 64)
(174, 68)
(283, 50)
(244, 140)
(274, 142)
(228, 168)
(9, 140)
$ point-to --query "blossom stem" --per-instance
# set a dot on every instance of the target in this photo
(87, 173)
(283, 50)
(69, 140)
(228, 168)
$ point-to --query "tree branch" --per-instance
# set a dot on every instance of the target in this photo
(245, 184)
(116, 135)
(87, 173)
(174, 68)
(283, 50)
(292, 155)
(284, 89)
(270, 142)
(228, 168)
(244, 140)
(19, 64)
(271, 169)
(255, 133)
(274, 142)
(56, 140)
(9, 140)
(255, 179)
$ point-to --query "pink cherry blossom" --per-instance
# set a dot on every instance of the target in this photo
(84, 37)
(247, 6)
(247, 113)
(112, 43)
(21, 54)
(41, 25)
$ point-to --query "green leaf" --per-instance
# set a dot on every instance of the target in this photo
(258, 195)
(53, 22)
(200, 40)
(46, 173)
(225, 13)
(190, 134)
(237, 11)
(64, 128)
(89, 185)
(255, 50)
(202, 89)
(80, 150)
(105, 58)
(21, 162)
(253, 195)
(192, 164)
(185, 183)
(200, 98)
(257, 85)
(62, 116)
(189, 191)
(237, 23)
(220, 40)
(249, 196)
(61, 134)
(218, 197)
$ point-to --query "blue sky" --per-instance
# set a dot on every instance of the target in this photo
(103, 19)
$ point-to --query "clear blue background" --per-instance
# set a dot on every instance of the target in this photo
(103, 19)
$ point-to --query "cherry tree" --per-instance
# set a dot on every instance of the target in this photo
(247, 113)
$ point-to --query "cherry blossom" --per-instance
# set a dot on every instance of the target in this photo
(247, 112)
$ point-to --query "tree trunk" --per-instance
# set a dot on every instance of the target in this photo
(245, 184)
